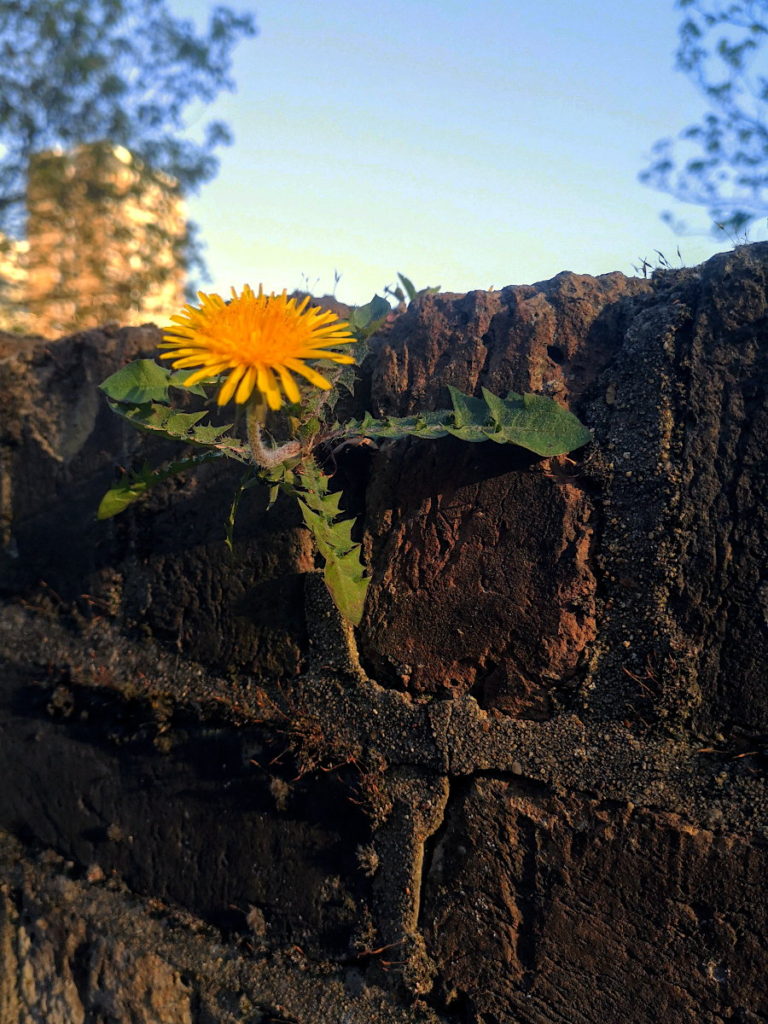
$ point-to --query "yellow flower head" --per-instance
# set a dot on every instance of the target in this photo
(260, 339)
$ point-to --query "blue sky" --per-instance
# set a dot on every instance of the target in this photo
(466, 144)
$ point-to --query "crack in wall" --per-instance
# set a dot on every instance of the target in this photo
(526, 901)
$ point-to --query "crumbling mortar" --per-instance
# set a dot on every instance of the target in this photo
(456, 737)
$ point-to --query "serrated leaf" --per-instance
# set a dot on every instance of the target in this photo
(313, 521)
(348, 375)
(535, 422)
(307, 430)
(178, 424)
(207, 434)
(343, 570)
(327, 504)
(141, 381)
(249, 478)
(427, 426)
(156, 418)
(347, 588)
(341, 536)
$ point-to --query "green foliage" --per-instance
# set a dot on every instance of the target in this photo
(363, 321)
(721, 163)
(366, 320)
(123, 71)
(144, 380)
(79, 78)
(529, 421)
(135, 485)
(249, 479)
(343, 570)
(165, 421)
(139, 392)
(406, 292)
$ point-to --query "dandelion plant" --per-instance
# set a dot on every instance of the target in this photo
(249, 351)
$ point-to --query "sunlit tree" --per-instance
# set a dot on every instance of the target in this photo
(721, 163)
(105, 77)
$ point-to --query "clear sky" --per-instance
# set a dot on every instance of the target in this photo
(466, 143)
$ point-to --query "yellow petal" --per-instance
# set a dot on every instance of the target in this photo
(261, 341)
(228, 387)
(289, 385)
(333, 357)
(205, 374)
(177, 353)
(306, 371)
(267, 385)
(185, 362)
(247, 384)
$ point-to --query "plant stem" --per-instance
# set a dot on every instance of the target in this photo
(263, 454)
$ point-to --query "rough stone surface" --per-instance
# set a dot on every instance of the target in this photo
(529, 788)
(465, 534)
(76, 951)
(582, 909)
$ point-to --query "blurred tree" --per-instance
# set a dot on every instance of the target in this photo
(720, 163)
(105, 76)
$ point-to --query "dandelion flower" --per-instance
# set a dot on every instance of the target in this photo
(259, 341)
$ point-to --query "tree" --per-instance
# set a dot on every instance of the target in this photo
(720, 163)
(107, 76)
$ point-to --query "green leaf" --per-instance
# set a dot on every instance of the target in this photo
(207, 434)
(315, 523)
(470, 433)
(249, 478)
(117, 499)
(365, 320)
(177, 424)
(307, 430)
(176, 380)
(467, 411)
(136, 485)
(347, 586)
(408, 285)
(343, 570)
(427, 425)
(141, 381)
(348, 375)
(534, 422)
(156, 418)
(372, 311)
(324, 504)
